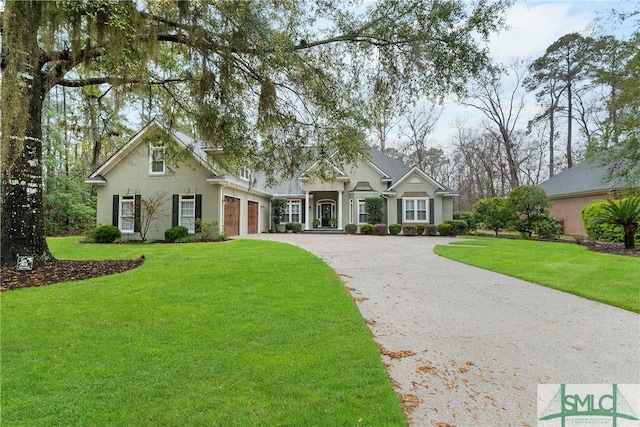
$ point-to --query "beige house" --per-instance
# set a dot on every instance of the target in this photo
(196, 191)
(573, 189)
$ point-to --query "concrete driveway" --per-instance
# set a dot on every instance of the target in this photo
(465, 346)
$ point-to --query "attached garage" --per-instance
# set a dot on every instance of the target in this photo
(252, 218)
(232, 216)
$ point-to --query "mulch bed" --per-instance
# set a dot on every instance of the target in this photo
(611, 248)
(47, 273)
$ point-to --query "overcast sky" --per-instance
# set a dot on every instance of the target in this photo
(533, 26)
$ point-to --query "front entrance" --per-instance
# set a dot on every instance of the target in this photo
(326, 211)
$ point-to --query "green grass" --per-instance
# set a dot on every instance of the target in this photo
(611, 279)
(241, 333)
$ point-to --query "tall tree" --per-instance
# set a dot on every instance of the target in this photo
(258, 79)
(559, 73)
(502, 107)
(418, 125)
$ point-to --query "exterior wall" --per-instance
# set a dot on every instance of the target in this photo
(443, 207)
(131, 177)
(447, 209)
(569, 211)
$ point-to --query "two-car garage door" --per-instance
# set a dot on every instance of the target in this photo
(232, 216)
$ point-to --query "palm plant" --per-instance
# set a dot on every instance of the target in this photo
(624, 212)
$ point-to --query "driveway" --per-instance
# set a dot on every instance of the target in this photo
(465, 346)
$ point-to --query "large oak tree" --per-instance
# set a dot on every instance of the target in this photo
(259, 79)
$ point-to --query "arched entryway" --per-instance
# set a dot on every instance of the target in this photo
(325, 211)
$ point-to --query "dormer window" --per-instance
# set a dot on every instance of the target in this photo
(245, 173)
(156, 160)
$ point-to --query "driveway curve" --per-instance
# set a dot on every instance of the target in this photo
(466, 346)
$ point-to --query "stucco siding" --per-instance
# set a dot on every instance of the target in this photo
(569, 211)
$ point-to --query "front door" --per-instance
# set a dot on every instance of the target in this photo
(325, 214)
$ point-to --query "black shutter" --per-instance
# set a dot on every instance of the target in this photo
(115, 214)
(432, 210)
(400, 210)
(303, 211)
(174, 213)
(198, 212)
(136, 219)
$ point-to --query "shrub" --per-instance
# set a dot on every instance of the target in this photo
(288, 226)
(458, 226)
(602, 232)
(296, 227)
(106, 234)
(380, 230)
(409, 229)
(530, 204)
(395, 229)
(469, 217)
(351, 229)
(445, 229)
(430, 230)
(366, 229)
(175, 234)
(373, 208)
(494, 213)
(420, 229)
(548, 228)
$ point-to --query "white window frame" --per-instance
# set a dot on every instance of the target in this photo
(362, 204)
(182, 218)
(125, 215)
(287, 215)
(414, 210)
(153, 149)
(245, 173)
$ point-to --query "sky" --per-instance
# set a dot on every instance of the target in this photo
(533, 26)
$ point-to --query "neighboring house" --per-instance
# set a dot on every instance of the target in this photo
(571, 190)
(240, 203)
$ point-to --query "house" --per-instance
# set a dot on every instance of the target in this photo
(573, 189)
(161, 161)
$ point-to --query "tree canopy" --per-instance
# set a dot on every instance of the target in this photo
(260, 80)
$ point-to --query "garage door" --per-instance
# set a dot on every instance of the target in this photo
(252, 225)
(231, 216)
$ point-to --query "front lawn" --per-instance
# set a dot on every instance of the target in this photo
(241, 333)
(611, 279)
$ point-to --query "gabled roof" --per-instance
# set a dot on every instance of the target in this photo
(440, 189)
(582, 179)
(181, 139)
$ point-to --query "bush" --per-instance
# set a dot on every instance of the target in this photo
(430, 230)
(458, 226)
(380, 229)
(445, 229)
(351, 229)
(288, 226)
(420, 229)
(106, 234)
(296, 227)
(469, 217)
(602, 232)
(409, 229)
(395, 229)
(373, 207)
(366, 229)
(176, 234)
(548, 228)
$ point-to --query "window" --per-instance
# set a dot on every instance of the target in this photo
(362, 212)
(188, 212)
(156, 160)
(127, 214)
(245, 173)
(291, 212)
(415, 209)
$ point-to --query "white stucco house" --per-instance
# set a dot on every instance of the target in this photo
(196, 189)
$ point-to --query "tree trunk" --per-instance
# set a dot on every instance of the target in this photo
(22, 222)
(630, 235)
